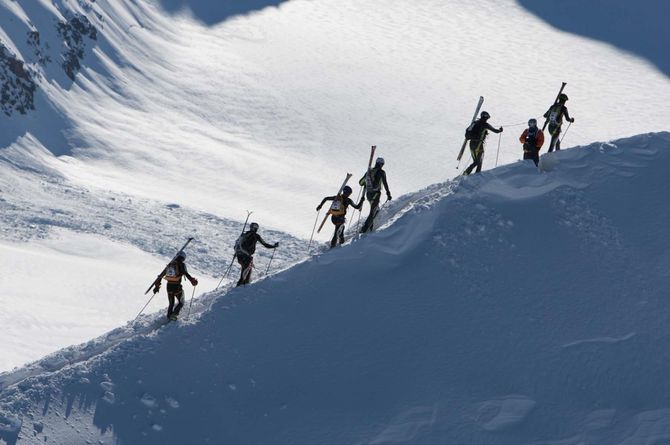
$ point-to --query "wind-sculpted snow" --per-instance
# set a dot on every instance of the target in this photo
(514, 306)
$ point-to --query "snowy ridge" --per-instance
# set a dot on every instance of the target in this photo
(510, 307)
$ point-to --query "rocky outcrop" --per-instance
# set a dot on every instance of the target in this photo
(73, 32)
(17, 85)
(19, 79)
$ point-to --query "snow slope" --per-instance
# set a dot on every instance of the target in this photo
(152, 123)
(510, 307)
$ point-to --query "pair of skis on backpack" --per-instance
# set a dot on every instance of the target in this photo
(336, 204)
(474, 118)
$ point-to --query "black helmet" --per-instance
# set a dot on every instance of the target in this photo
(532, 122)
(346, 190)
(485, 115)
(253, 227)
(379, 161)
(181, 255)
(563, 97)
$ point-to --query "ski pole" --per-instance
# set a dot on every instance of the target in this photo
(191, 303)
(268, 268)
(498, 152)
(226, 273)
(360, 193)
(360, 212)
(316, 221)
(145, 306)
(566, 132)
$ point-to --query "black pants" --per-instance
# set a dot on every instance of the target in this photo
(477, 153)
(534, 155)
(175, 291)
(339, 230)
(373, 198)
(247, 264)
(555, 132)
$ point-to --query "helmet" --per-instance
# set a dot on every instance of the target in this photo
(562, 97)
(485, 115)
(379, 161)
(253, 227)
(532, 122)
(181, 255)
(346, 190)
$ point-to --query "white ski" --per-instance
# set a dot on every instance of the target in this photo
(474, 117)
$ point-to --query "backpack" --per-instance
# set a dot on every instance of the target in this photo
(242, 244)
(473, 131)
(531, 139)
(556, 115)
(337, 208)
(370, 180)
(173, 272)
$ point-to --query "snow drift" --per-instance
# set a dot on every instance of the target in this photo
(512, 306)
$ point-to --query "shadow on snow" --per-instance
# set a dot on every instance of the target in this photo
(637, 27)
(214, 12)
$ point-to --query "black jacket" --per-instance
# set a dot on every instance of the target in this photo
(560, 110)
(181, 271)
(481, 129)
(247, 244)
(345, 201)
(377, 178)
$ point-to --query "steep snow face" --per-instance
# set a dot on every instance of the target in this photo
(269, 109)
(640, 28)
(151, 124)
(513, 306)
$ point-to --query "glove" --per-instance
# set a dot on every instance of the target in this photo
(276, 245)
(318, 207)
(572, 120)
(388, 197)
(501, 129)
(157, 288)
(194, 282)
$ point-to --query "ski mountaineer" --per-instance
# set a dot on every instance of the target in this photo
(532, 139)
(173, 274)
(372, 181)
(245, 246)
(476, 133)
(555, 115)
(338, 212)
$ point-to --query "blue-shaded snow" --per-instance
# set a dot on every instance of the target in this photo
(510, 307)
(639, 27)
(214, 12)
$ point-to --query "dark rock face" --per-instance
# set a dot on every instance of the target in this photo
(17, 87)
(18, 80)
(73, 33)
